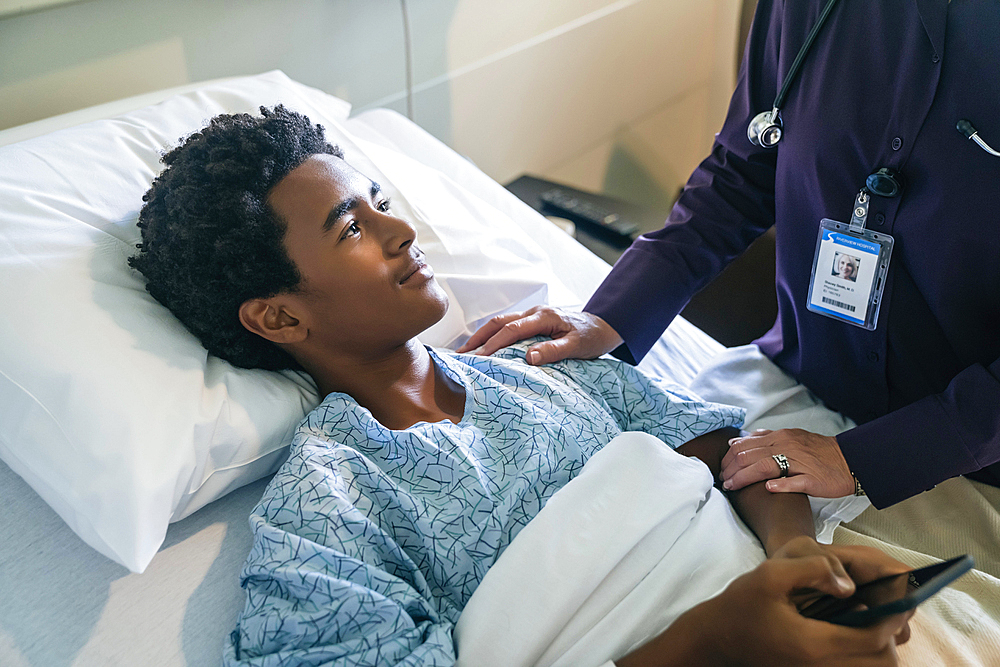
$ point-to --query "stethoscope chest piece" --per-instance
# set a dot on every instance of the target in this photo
(765, 129)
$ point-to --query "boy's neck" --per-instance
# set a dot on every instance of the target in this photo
(399, 388)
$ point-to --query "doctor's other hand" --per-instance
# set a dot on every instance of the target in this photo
(816, 465)
(576, 335)
(755, 621)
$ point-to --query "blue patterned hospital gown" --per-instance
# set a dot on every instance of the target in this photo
(368, 542)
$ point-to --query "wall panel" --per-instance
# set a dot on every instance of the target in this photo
(553, 87)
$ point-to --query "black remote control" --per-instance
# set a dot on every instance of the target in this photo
(591, 217)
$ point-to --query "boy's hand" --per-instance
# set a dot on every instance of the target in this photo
(755, 620)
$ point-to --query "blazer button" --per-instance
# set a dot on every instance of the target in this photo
(897, 143)
(873, 356)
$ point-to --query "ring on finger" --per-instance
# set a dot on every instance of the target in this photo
(782, 462)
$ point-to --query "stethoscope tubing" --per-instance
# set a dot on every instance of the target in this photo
(779, 99)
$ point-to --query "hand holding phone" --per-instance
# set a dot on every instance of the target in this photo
(890, 595)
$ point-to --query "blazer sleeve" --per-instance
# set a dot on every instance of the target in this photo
(938, 437)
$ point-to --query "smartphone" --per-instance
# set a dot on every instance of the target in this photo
(890, 595)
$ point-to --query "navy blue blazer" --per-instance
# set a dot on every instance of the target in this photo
(883, 86)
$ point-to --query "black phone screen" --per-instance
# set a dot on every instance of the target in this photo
(890, 595)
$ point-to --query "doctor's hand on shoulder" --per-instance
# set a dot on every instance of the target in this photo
(575, 335)
(794, 460)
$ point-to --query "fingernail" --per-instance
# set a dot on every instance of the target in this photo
(733, 441)
(769, 486)
(728, 484)
(534, 357)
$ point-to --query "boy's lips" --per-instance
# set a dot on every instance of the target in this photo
(418, 267)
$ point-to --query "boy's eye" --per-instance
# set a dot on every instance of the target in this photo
(351, 230)
(384, 206)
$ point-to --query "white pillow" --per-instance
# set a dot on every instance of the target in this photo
(112, 410)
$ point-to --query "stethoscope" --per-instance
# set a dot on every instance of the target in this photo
(765, 128)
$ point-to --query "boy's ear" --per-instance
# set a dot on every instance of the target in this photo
(268, 318)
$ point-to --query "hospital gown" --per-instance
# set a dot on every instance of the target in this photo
(369, 542)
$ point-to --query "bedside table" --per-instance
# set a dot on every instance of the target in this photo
(608, 247)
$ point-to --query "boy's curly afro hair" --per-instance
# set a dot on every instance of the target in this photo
(209, 239)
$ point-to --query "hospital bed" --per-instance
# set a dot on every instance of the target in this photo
(131, 459)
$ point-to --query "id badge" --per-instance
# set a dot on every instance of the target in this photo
(848, 274)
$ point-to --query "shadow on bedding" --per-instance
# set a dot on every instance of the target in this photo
(65, 604)
(55, 587)
(213, 606)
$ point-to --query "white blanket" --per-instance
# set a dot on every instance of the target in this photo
(614, 557)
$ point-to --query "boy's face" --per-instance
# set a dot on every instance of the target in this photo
(365, 285)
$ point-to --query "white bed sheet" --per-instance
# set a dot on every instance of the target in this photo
(65, 604)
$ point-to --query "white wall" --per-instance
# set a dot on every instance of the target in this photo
(622, 96)
(90, 52)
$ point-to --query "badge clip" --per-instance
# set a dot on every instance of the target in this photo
(860, 214)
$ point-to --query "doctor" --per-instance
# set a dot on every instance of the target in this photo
(877, 143)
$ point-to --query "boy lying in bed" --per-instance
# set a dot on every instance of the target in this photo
(420, 466)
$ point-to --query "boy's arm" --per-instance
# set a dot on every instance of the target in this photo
(640, 403)
(775, 518)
